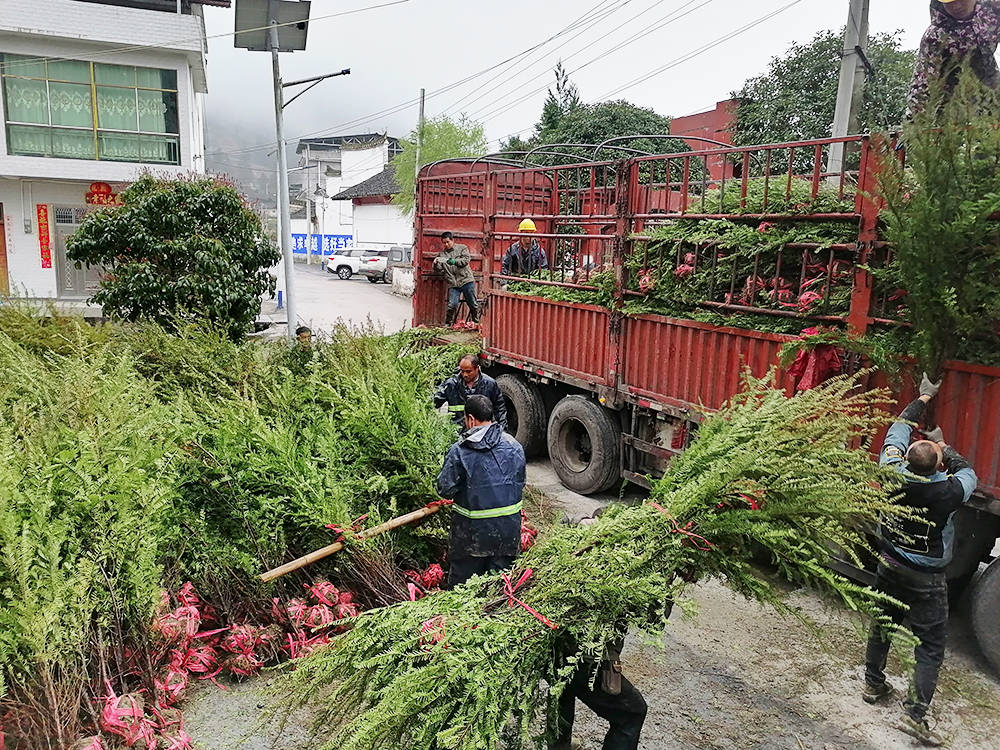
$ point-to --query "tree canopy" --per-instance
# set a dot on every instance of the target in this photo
(178, 250)
(796, 97)
(565, 119)
(444, 138)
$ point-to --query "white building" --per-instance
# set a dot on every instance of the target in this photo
(94, 92)
(337, 176)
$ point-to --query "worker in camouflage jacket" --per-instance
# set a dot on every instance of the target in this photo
(483, 473)
(453, 262)
(469, 381)
(914, 553)
(960, 31)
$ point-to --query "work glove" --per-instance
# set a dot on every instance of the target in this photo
(935, 435)
(927, 388)
(451, 261)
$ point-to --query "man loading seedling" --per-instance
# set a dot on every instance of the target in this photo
(525, 255)
(470, 380)
(960, 31)
(484, 474)
(914, 554)
(453, 262)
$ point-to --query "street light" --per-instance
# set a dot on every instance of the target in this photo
(277, 25)
(280, 26)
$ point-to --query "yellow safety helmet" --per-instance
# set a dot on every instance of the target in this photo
(526, 226)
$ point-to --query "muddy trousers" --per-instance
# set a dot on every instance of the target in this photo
(926, 594)
(455, 295)
(626, 711)
(462, 569)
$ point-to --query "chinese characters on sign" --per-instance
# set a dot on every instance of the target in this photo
(322, 243)
(44, 241)
(101, 194)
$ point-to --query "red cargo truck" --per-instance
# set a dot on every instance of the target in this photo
(650, 308)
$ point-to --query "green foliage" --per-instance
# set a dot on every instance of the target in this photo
(179, 250)
(939, 219)
(794, 100)
(443, 138)
(472, 682)
(133, 459)
(565, 119)
(557, 105)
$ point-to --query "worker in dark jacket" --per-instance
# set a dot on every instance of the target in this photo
(470, 380)
(914, 553)
(961, 31)
(453, 262)
(484, 474)
(525, 256)
(611, 696)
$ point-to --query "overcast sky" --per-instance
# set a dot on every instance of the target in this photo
(394, 51)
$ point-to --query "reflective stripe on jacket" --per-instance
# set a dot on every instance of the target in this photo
(484, 474)
(455, 392)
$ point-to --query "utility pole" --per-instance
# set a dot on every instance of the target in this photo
(420, 145)
(850, 91)
(284, 218)
(308, 196)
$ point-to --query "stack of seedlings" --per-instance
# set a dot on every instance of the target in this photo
(462, 669)
(133, 461)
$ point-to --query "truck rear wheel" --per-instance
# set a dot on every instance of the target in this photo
(584, 445)
(525, 413)
(986, 612)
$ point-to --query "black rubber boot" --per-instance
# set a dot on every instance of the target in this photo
(449, 317)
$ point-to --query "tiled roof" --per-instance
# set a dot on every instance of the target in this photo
(384, 183)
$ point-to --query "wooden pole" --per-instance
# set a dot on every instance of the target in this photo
(331, 549)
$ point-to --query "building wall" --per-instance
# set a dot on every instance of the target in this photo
(715, 124)
(87, 31)
(381, 225)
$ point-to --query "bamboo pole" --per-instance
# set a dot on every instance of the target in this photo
(331, 549)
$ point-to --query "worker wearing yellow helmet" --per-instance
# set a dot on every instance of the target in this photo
(524, 257)
(960, 30)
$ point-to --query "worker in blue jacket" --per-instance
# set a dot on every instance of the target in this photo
(484, 474)
(914, 553)
(468, 381)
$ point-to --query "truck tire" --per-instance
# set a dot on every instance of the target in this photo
(525, 413)
(975, 534)
(985, 612)
(584, 445)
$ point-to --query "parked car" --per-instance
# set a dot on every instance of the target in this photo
(346, 263)
(373, 265)
(400, 256)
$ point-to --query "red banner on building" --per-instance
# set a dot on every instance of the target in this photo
(44, 240)
(101, 194)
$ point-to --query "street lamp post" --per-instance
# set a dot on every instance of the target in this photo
(280, 26)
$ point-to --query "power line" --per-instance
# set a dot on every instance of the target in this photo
(672, 17)
(705, 48)
(677, 61)
(191, 40)
(585, 19)
(389, 110)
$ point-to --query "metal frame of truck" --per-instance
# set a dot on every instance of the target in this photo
(614, 396)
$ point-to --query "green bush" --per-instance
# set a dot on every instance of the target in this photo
(179, 250)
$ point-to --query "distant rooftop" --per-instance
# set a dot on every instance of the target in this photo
(384, 183)
(338, 142)
(167, 6)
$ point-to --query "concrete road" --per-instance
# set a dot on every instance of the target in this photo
(324, 299)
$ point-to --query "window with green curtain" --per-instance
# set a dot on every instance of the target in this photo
(50, 110)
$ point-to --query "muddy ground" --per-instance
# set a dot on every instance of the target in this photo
(733, 677)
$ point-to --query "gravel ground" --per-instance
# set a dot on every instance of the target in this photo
(733, 677)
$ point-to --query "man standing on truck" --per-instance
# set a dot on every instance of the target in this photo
(525, 255)
(453, 262)
(960, 30)
(914, 553)
(484, 474)
(469, 381)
